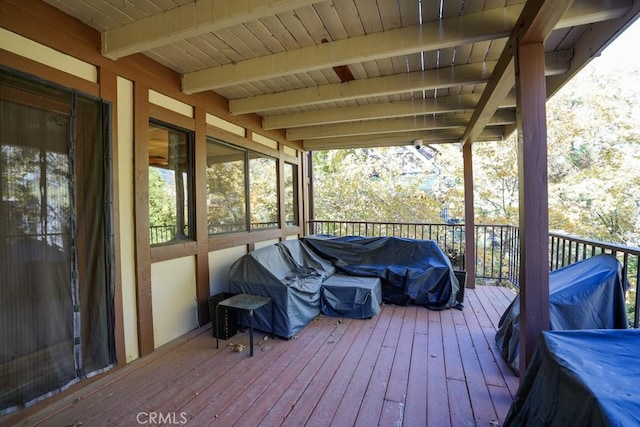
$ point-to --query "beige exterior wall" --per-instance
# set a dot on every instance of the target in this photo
(127, 221)
(219, 263)
(169, 103)
(266, 243)
(26, 48)
(173, 292)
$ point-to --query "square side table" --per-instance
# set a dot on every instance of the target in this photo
(246, 303)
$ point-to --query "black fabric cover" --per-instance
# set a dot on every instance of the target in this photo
(353, 297)
(586, 295)
(56, 255)
(289, 273)
(411, 270)
(580, 378)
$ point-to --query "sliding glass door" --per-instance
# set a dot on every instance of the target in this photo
(56, 283)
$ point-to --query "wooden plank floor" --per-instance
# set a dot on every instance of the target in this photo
(406, 366)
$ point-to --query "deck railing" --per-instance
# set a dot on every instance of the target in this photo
(497, 251)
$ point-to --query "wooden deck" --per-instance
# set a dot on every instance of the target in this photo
(406, 366)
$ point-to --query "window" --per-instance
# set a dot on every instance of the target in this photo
(242, 189)
(170, 183)
(263, 190)
(291, 194)
(226, 188)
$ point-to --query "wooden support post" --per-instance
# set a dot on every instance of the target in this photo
(469, 219)
(141, 205)
(200, 217)
(534, 217)
(309, 213)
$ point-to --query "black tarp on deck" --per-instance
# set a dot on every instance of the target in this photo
(586, 295)
(412, 271)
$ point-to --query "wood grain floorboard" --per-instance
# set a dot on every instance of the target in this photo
(406, 366)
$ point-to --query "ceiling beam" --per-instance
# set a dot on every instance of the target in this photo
(189, 20)
(378, 86)
(500, 84)
(430, 122)
(445, 104)
(557, 62)
(583, 12)
(589, 47)
(537, 21)
(439, 34)
(403, 138)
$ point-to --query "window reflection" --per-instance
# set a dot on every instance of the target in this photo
(291, 194)
(169, 184)
(263, 180)
(226, 188)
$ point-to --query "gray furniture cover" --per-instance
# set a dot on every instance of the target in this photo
(411, 270)
(291, 275)
(352, 297)
(346, 277)
(580, 378)
(586, 295)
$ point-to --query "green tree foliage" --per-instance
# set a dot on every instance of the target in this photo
(263, 191)
(495, 166)
(393, 184)
(23, 170)
(162, 203)
(226, 196)
(593, 158)
(594, 143)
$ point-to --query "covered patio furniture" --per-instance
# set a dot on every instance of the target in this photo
(288, 273)
(586, 295)
(580, 378)
(412, 271)
(351, 297)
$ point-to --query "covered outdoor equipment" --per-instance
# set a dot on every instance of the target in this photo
(411, 270)
(586, 295)
(580, 378)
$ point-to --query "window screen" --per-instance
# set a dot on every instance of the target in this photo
(56, 284)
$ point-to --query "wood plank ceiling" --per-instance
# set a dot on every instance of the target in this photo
(352, 73)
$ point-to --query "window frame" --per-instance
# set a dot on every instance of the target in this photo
(247, 153)
(212, 140)
(189, 184)
(277, 192)
(295, 202)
